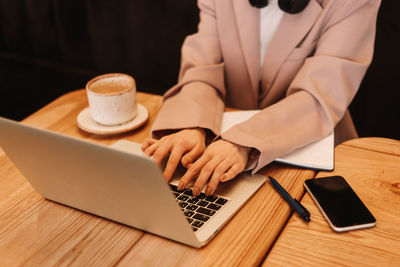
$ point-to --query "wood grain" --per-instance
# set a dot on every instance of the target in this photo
(34, 231)
(60, 116)
(378, 144)
(374, 174)
(243, 241)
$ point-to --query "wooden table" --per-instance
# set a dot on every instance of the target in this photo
(372, 168)
(34, 231)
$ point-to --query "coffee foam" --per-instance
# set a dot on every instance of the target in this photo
(111, 85)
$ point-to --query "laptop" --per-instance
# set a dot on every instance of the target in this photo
(118, 183)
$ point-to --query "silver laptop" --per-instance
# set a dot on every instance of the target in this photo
(118, 183)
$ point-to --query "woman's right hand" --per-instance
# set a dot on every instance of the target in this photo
(184, 146)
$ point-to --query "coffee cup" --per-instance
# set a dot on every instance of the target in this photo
(112, 98)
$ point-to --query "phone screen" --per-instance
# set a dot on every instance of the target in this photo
(339, 203)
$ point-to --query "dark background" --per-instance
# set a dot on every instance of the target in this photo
(50, 47)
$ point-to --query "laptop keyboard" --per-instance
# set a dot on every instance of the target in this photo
(198, 210)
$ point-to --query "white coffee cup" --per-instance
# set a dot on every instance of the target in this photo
(112, 98)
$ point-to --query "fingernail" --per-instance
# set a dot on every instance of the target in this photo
(222, 178)
(196, 191)
(181, 186)
(209, 191)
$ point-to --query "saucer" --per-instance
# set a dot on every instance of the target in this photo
(86, 123)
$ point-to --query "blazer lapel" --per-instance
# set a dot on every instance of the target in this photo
(248, 25)
(291, 30)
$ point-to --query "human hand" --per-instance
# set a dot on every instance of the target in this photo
(184, 146)
(220, 162)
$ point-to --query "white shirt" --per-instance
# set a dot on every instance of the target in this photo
(270, 17)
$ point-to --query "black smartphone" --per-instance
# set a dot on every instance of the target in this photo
(340, 205)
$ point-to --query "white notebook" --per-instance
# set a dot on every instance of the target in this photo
(318, 155)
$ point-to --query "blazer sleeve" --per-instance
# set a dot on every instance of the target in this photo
(197, 99)
(320, 93)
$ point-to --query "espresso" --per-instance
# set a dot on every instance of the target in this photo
(111, 85)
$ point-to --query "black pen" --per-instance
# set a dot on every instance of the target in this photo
(300, 209)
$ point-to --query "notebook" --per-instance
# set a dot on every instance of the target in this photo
(117, 183)
(318, 155)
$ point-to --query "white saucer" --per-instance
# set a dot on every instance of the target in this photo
(86, 123)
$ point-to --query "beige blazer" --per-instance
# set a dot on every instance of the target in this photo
(312, 69)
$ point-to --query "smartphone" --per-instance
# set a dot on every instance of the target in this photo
(340, 205)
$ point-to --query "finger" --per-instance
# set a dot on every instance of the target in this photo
(161, 152)
(149, 151)
(173, 161)
(231, 173)
(188, 165)
(214, 180)
(212, 186)
(191, 156)
(204, 176)
(194, 169)
(148, 142)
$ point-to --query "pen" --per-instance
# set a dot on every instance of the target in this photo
(300, 209)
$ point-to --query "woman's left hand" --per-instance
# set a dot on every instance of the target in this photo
(220, 162)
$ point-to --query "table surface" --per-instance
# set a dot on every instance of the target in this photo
(35, 231)
(372, 168)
